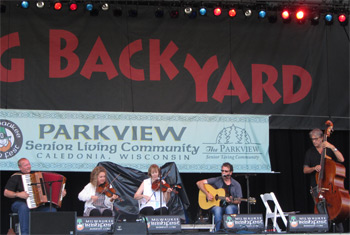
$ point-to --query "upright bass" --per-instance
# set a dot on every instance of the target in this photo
(330, 185)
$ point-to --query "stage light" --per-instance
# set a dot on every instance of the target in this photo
(73, 6)
(105, 6)
(286, 16)
(117, 11)
(247, 12)
(328, 18)
(262, 14)
(174, 13)
(57, 6)
(217, 11)
(24, 4)
(232, 12)
(343, 19)
(315, 17)
(272, 16)
(203, 11)
(190, 12)
(89, 6)
(300, 15)
(40, 4)
(159, 13)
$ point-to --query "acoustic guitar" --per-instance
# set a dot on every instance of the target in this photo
(219, 194)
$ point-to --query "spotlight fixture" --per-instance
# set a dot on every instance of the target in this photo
(315, 17)
(217, 11)
(247, 12)
(262, 14)
(57, 5)
(232, 12)
(342, 19)
(25, 4)
(40, 4)
(105, 6)
(328, 18)
(118, 11)
(300, 15)
(286, 16)
(89, 6)
(190, 12)
(73, 6)
(159, 13)
(203, 11)
(174, 13)
(272, 16)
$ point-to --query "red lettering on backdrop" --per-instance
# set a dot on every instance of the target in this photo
(289, 71)
(125, 65)
(107, 66)
(56, 54)
(230, 75)
(156, 59)
(16, 73)
(201, 76)
(258, 86)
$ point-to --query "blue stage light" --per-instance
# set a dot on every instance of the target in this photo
(202, 11)
(25, 4)
(89, 7)
(328, 17)
(262, 14)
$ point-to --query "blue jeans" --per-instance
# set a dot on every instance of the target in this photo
(22, 210)
(219, 211)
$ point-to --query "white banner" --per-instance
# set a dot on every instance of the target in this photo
(78, 141)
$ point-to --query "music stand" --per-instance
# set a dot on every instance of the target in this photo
(50, 186)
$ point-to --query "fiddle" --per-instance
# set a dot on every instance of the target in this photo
(157, 184)
(107, 190)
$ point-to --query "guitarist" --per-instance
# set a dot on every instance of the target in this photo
(232, 188)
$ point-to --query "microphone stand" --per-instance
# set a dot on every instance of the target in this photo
(50, 186)
(160, 195)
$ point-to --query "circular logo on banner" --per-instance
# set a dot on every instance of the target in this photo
(11, 139)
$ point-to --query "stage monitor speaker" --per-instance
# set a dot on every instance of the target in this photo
(244, 222)
(129, 228)
(308, 223)
(52, 222)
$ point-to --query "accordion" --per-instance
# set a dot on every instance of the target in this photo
(39, 185)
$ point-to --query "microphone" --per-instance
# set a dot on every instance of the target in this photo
(225, 175)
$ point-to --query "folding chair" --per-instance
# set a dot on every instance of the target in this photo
(277, 211)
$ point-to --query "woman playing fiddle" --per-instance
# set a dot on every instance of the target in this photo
(149, 194)
(98, 195)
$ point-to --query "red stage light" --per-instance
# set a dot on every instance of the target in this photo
(285, 14)
(217, 11)
(73, 6)
(57, 6)
(300, 15)
(232, 12)
(342, 18)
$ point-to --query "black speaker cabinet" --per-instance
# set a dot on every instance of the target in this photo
(52, 222)
(129, 228)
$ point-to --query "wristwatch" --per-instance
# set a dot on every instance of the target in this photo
(335, 150)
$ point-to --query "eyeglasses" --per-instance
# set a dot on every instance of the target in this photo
(224, 171)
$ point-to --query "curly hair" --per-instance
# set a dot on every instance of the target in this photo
(153, 167)
(94, 174)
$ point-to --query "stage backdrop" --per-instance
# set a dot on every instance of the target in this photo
(78, 141)
(72, 60)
